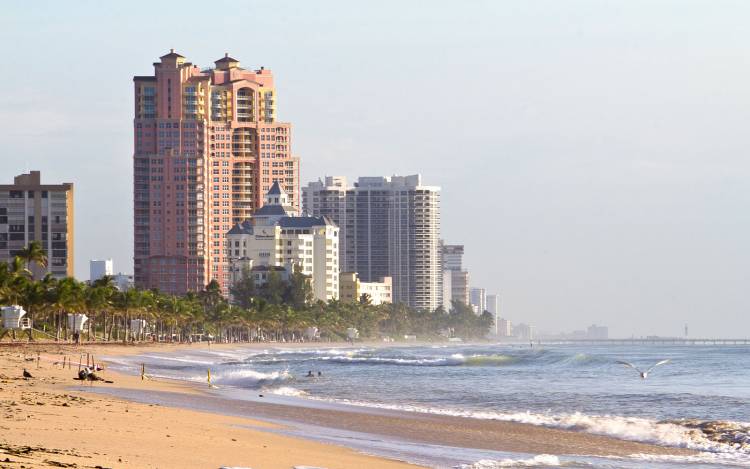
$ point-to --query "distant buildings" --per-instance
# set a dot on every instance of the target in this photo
(123, 282)
(597, 332)
(275, 236)
(478, 300)
(593, 332)
(390, 227)
(455, 279)
(492, 304)
(493, 307)
(207, 148)
(32, 211)
(100, 268)
(351, 289)
(504, 328)
(524, 332)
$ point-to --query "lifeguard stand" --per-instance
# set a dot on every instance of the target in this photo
(312, 333)
(14, 320)
(138, 328)
(76, 324)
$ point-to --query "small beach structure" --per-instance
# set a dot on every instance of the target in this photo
(14, 319)
(352, 333)
(138, 327)
(312, 333)
(77, 322)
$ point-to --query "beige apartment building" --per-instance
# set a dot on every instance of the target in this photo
(32, 211)
(351, 289)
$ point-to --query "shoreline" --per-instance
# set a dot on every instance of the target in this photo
(419, 428)
(52, 420)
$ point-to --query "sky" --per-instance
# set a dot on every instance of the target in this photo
(593, 156)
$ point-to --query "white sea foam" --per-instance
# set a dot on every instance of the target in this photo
(178, 358)
(542, 460)
(288, 391)
(626, 428)
(455, 359)
(250, 378)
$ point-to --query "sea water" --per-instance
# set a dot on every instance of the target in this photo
(699, 400)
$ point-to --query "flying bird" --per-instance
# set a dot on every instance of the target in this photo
(26, 374)
(644, 374)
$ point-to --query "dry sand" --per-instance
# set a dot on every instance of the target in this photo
(45, 421)
(44, 424)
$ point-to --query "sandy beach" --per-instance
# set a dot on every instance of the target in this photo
(47, 424)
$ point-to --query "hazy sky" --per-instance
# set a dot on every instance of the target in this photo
(593, 155)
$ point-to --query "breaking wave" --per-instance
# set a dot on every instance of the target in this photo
(250, 378)
(542, 460)
(733, 440)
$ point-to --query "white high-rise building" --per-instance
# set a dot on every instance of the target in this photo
(276, 236)
(123, 282)
(478, 299)
(390, 227)
(493, 307)
(504, 327)
(454, 275)
(100, 268)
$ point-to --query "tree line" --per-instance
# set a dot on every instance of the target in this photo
(277, 310)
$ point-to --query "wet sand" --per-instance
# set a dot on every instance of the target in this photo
(162, 423)
(45, 423)
(412, 426)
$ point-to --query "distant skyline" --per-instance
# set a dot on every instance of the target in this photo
(592, 155)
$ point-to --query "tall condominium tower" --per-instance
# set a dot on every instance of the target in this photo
(454, 275)
(389, 227)
(32, 211)
(207, 149)
(478, 299)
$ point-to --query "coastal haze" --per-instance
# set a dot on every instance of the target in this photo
(592, 157)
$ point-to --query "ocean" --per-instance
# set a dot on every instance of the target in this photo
(699, 400)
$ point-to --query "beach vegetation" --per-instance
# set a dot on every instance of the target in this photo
(278, 310)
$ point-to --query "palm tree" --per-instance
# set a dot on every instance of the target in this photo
(34, 254)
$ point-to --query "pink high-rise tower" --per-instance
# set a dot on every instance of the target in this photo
(207, 149)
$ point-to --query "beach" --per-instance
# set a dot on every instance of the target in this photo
(45, 424)
(52, 419)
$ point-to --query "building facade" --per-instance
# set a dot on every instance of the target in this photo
(207, 148)
(98, 268)
(32, 211)
(478, 300)
(276, 236)
(493, 307)
(524, 332)
(123, 282)
(351, 289)
(390, 227)
(454, 275)
(504, 328)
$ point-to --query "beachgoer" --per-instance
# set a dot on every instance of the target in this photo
(320, 373)
(310, 374)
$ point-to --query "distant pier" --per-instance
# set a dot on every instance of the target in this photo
(645, 341)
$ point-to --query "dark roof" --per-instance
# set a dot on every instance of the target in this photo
(246, 227)
(266, 268)
(271, 210)
(172, 55)
(275, 189)
(304, 222)
(226, 58)
(144, 78)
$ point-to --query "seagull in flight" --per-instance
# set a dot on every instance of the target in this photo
(644, 374)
